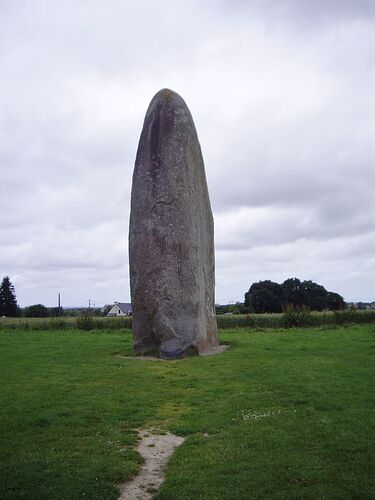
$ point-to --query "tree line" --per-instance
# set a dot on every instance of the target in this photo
(10, 309)
(270, 297)
(262, 297)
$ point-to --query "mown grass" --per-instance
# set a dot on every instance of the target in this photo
(288, 413)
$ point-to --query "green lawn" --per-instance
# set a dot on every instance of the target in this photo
(289, 414)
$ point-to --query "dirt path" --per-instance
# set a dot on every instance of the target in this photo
(156, 449)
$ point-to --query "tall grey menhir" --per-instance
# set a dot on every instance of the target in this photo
(171, 237)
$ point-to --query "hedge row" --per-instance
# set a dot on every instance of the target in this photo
(289, 319)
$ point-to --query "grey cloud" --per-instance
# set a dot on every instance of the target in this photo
(280, 93)
(339, 265)
(304, 14)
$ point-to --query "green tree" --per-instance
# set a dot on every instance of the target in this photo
(293, 292)
(314, 295)
(36, 311)
(265, 297)
(8, 300)
(236, 308)
(335, 301)
(55, 312)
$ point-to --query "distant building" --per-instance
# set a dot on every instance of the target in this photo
(120, 309)
(362, 306)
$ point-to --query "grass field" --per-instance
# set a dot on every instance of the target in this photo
(289, 414)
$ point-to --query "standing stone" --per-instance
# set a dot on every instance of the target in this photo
(171, 236)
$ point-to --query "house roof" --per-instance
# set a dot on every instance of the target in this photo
(125, 307)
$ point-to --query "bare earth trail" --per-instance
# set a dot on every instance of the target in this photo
(156, 450)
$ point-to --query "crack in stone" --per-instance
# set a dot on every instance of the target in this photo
(162, 203)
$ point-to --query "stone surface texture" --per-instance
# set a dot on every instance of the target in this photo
(171, 236)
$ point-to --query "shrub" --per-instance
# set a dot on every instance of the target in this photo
(354, 316)
(234, 321)
(85, 321)
(55, 312)
(297, 317)
(36, 311)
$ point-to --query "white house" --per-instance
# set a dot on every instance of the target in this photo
(120, 309)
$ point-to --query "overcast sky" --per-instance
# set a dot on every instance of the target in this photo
(282, 95)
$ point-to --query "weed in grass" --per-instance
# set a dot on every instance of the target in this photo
(255, 415)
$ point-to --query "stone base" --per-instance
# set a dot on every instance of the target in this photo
(214, 350)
